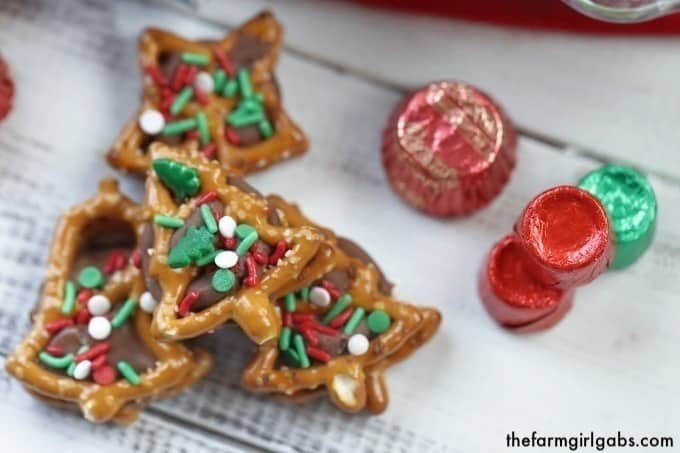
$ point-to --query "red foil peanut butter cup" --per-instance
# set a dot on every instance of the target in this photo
(566, 235)
(513, 297)
(6, 89)
(448, 149)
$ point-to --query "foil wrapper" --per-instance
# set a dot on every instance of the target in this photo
(631, 205)
(448, 149)
(566, 235)
(513, 297)
(6, 89)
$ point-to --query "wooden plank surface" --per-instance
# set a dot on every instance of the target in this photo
(611, 365)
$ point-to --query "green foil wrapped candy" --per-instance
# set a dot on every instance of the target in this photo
(631, 204)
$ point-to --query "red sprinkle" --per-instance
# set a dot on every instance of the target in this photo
(190, 75)
(93, 352)
(310, 336)
(287, 319)
(56, 326)
(114, 262)
(260, 258)
(341, 318)
(209, 150)
(53, 349)
(302, 317)
(104, 375)
(206, 198)
(83, 316)
(318, 354)
(6, 89)
(252, 278)
(223, 60)
(100, 361)
(331, 288)
(185, 306)
(156, 75)
(179, 76)
(229, 243)
(278, 252)
(192, 134)
(202, 97)
(136, 258)
(84, 295)
(232, 136)
(314, 325)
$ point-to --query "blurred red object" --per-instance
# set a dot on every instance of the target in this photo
(535, 14)
(6, 89)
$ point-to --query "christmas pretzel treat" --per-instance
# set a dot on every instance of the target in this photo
(221, 96)
(212, 253)
(90, 345)
(340, 332)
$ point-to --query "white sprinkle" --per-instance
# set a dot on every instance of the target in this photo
(151, 121)
(357, 344)
(204, 82)
(82, 370)
(147, 302)
(226, 259)
(98, 305)
(227, 226)
(99, 328)
(319, 296)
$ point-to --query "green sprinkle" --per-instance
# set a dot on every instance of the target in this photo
(244, 83)
(246, 243)
(182, 100)
(291, 357)
(71, 368)
(167, 221)
(56, 362)
(208, 218)
(290, 302)
(243, 230)
(353, 321)
(223, 280)
(91, 277)
(220, 78)
(284, 339)
(203, 129)
(339, 306)
(230, 88)
(251, 104)
(207, 259)
(69, 302)
(124, 313)
(182, 179)
(299, 344)
(128, 372)
(179, 127)
(195, 58)
(265, 128)
(304, 293)
(241, 119)
(378, 321)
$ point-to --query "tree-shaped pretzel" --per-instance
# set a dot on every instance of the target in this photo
(90, 344)
(340, 332)
(220, 96)
(214, 256)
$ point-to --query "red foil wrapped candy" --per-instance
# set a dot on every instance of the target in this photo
(448, 149)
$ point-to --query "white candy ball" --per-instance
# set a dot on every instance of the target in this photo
(82, 370)
(151, 121)
(99, 328)
(226, 259)
(204, 82)
(319, 296)
(227, 226)
(357, 344)
(98, 305)
(147, 302)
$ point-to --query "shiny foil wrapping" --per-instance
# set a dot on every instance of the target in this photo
(566, 234)
(6, 89)
(513, 297)
(631, 205)
(448, 149)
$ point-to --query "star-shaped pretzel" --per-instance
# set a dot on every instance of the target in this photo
(90, 345)
(341, 329)
(213, 255)
(221, 96)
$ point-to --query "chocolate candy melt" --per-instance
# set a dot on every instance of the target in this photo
(631, 205)
(448, 149)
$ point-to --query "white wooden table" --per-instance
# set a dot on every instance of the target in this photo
(613, 364)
